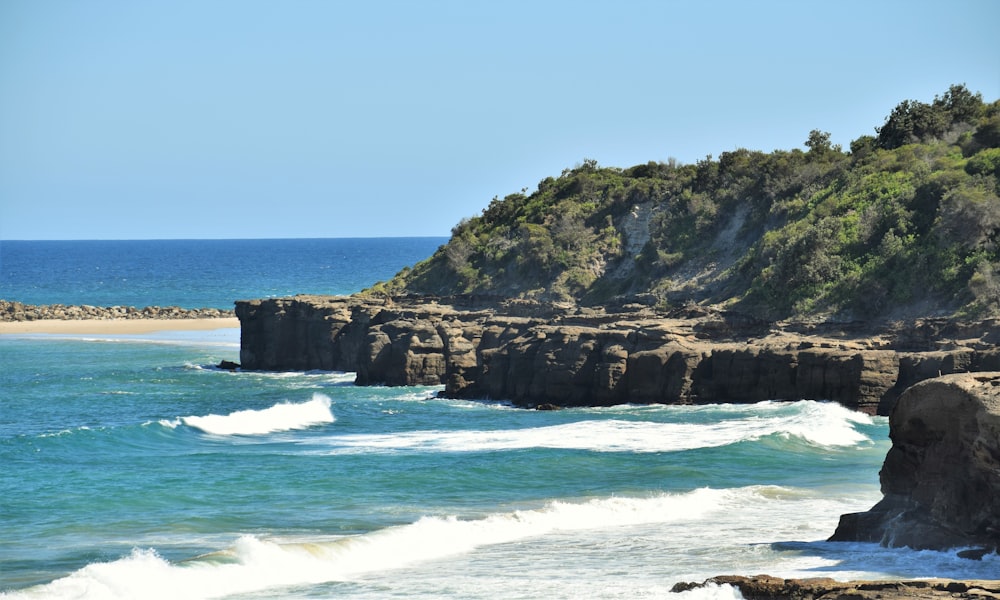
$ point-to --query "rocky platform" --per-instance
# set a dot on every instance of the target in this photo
(534, 354)
(764, 587)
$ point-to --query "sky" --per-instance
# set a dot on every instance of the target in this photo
(259, 119)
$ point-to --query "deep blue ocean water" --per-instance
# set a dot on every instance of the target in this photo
(130, 467)
(198, 273)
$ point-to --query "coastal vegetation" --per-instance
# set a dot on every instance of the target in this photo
(903, 222)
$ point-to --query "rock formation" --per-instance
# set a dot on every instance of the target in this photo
(941, 478)
(532, 353)
(765, 587)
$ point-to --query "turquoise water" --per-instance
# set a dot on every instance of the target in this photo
(133, 468)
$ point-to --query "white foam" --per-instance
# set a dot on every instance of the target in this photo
(331, 377)
(285, 416)
(820, 424)
(255, 564)
(699, 533)
(710, 591)
(825, 424)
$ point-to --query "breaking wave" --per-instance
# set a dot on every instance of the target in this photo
(818, 424)
(254, 563)
(285, 416)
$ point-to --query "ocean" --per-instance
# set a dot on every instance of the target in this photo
(131, 467)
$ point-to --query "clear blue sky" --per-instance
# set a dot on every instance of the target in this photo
(224, 119)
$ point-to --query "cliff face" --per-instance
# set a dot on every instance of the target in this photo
(941, 478)
(531, 353)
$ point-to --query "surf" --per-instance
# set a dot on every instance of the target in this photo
(682, 526)
(816, 424)
(255, 563)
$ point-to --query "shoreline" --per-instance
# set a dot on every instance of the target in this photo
(115, 326)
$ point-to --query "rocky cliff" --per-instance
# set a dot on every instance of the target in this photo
(941, 478)
(533, 353)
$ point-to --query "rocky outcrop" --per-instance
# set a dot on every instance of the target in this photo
(765, 587)
(302, 335)
(532, 353)
(18, 311)
(941, 478)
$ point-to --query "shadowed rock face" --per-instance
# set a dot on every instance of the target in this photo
(533, 353)
(941, 478)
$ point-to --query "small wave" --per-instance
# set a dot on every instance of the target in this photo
(326, 376)
(285, 416)
(62, 432)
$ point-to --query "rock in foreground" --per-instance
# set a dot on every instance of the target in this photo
(941, 478)
(765, 587)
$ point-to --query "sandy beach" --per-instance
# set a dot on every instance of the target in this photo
(115, 326)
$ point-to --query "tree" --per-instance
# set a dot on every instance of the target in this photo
(911, 122)
(819, 145)
(962, 105)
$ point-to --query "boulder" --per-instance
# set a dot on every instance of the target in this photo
(941, 478)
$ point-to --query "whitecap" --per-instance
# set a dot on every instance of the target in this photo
(285, 416)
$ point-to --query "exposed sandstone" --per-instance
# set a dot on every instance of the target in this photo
(941, 478)
(532, 353)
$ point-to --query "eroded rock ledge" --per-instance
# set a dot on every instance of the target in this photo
(531, 353)
(765, 587)
(17, 311)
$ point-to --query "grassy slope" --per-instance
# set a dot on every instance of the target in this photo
(906, 223)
